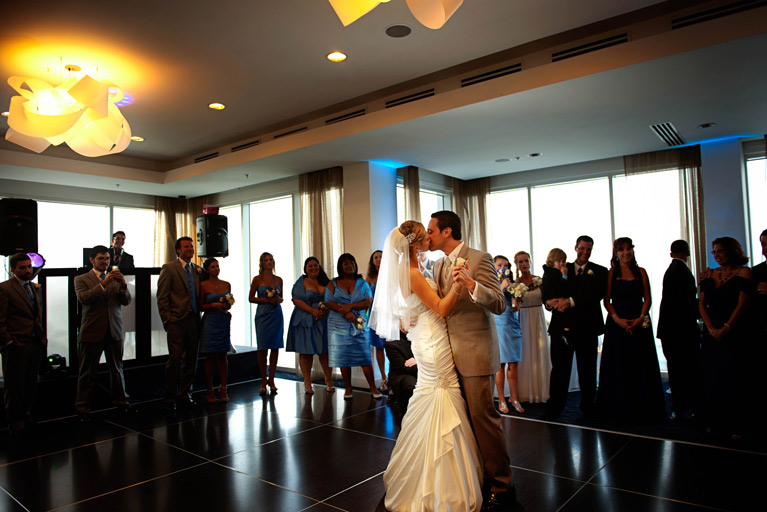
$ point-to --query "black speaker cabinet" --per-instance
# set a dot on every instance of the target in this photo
(18, 226)
(212, 236)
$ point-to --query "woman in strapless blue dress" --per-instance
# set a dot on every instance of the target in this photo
(348, 297)
(215, 340)
(266, 291)
(376, 341)
(307, 331)
(509, 343)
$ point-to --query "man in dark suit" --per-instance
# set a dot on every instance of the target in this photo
(117, 255)
(586, 284)
(403, 371)
(678, 330)
(178, 289)
(22, 343)
(102, 295)
(759, 275)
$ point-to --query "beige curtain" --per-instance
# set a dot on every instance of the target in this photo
(412, 194)
(687, 160)
(321, 199)
(470, 203)
(175, 218)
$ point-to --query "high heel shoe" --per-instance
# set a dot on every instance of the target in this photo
(309, 390)
(272, 387)
(262, 391)
(502, 407)
(211, 396)
(516, 405)
(222, 393)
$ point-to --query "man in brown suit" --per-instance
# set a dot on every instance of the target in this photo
(474, 342)
(178, 289)
(102, 295)
(22, 343)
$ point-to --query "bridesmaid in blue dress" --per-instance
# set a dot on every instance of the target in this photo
(266, 291)
(375, 340)
(510, 343)
(215, 340)
(348, 297)
(307, 331)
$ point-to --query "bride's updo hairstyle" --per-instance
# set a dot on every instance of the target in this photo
(413, 231)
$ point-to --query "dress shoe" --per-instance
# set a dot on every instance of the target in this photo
(84, 417)
(496, 501)
(186, 401)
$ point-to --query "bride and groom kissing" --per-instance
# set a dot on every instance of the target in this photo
(442, 459)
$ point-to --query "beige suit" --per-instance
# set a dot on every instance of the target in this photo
(179, 311)
(22, 344)
(474, 342)
(101, 330)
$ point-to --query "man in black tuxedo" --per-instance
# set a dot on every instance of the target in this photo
(117, 255)
(678, 330)
(586, 284)
(403, 371)
(759, 275)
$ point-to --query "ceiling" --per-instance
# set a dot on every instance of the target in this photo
(266, 61)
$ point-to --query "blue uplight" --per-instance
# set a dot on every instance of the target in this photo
(388, 163)
(721, 139)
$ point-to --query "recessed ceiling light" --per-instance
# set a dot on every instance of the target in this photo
(533, 155)
(336, 56)
(136, 138)
(398, 30)
(5, 114)
(706, 125)
(217, 106)
(502, 160)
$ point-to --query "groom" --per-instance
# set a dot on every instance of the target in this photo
(474, 342)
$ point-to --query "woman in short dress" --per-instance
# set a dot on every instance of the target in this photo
(266, 291)
(509, 341)
(215, 340)
(376, 341)
(348, 297)
(307, 331)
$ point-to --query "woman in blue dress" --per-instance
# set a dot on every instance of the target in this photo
(307, 331)
(509, 341)
(215, 341)
(348, 297)
(266, 291)
(375, 340)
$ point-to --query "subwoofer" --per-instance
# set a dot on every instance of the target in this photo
(212, 236)
(18, 226)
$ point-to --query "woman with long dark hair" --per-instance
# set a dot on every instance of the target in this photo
(376, 342)
(215, 341)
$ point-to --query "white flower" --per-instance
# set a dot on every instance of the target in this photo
(646, 322)
(517, 290)
(537, 281)
(589, 272)
(460, 261)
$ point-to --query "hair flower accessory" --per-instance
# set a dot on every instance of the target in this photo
(410, 238)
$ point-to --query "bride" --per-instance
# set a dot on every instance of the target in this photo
(435, 464)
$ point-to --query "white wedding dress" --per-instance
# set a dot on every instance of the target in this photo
(435, 464)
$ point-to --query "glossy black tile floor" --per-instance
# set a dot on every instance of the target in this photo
(290, 451)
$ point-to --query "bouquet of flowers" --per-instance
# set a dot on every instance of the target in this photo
(517, 291)
(227, 298)
(359, 323)
(322, 306)
(271, 293)
(503, 273)
(537, 282)
(646, 322)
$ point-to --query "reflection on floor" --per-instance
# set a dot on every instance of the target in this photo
(290, 451)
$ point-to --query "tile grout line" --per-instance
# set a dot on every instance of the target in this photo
(13, 498)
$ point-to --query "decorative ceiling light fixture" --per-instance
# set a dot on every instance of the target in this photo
(80, 112)
(430, 13)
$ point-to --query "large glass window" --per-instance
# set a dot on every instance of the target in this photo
(756, 176)
(271, 230)
(509, 224)
(138, 224)
(64, 230)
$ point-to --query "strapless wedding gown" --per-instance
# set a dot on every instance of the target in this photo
(435, 465)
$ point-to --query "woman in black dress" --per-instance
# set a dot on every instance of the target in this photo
(630, 386)
(727, 339)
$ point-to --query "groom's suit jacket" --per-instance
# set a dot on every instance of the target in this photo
(173, 295)
(471, 325)
(587, 291)
(102, 309)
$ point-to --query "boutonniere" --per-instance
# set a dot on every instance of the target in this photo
(589, 272)
(36, 286)
(198, 269)
(460, 261)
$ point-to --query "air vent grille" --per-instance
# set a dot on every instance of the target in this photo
(246, 145)
(589, 47)
(667, 133)
(490, 75)
(717, 12)
(410, 98)
(205, 157)
(291, 132)
(350, 115)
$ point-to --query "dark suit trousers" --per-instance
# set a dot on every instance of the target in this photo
(682, 351)
(585, 349)
(21, 365)
(90, 354)
(486, 423)
(183, 344)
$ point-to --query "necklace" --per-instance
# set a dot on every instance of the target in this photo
(731, 273)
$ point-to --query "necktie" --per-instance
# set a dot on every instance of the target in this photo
(190, 280)
(116, 259)
(29, 294)
(580, 271)
(103, 275)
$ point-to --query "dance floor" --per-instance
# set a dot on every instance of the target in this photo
(290, 451)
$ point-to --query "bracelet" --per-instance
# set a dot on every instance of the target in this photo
(727, 326)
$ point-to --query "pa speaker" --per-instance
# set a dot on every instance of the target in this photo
(18, 226)
(212, 236)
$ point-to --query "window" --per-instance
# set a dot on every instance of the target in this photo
(431, 202)
(138, 224)
(64, 230)
(756, 179)
(509, 225)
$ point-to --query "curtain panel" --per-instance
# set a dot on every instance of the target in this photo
(320, 203)
(470, 204)
(412, 188)
(687, 161)
(175, 218)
